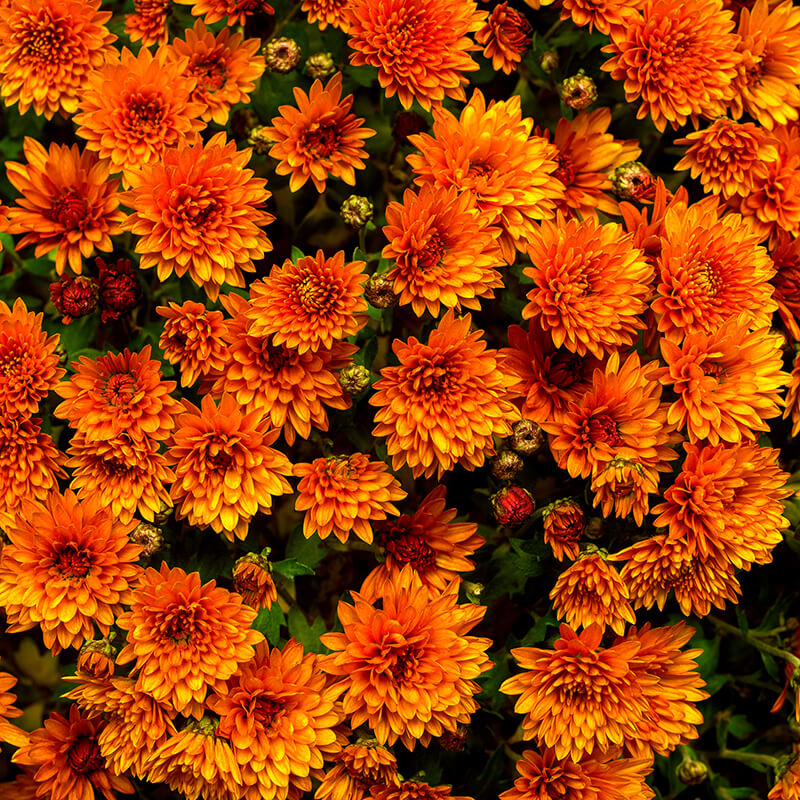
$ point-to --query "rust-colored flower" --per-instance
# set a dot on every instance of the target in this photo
(452, 383)
(605, 15)
(564, 522)
(74, 297)
(226, 472)
(119, 290)
(23, 787)
(187, 639)
(420, 47)
(786, 282)
(788, 786)
(11, 733)
(236, 11)
(505, 36)
(252, 579)
(320, 138)
(199, 210)
(327, 12)
(225, 68)
(343, 494)
(680, 58)
(793, 397)
(70, 566)
(148, 23)
(118, 393)
(413, 790)
(359, 768)
(407, 668)
(512, 505)
(624, 487)
(444, 252)
(48, 49)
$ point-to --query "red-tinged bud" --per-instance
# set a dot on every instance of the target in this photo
(512, 505)
(74, 296)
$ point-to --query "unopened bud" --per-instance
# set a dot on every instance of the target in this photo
(96, 658)
(526, 437)
(354, 379)
(252, 579)
(512, 505)
(149, 537)
(320, 65)
(579, 91)
(259, 140)
(505, 465)
(281, 55)
(379, 291)
(691, 772)
(356, 211)
(633, 181)
(164, 513)
(549, 62)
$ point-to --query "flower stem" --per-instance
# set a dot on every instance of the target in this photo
(754, 641)
(749, 758)
(286, 18)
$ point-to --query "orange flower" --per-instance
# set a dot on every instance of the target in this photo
(564, 522)
(786, 258)
(420, 47)
(591, 285)
(48, 49)
(11, 733)
(327, 12)
(414, 790)
(680, 58)
(505, 36)
(310, 304)
(187, 639)
(252, 579)
(359, 768)
(434, 546)
(136, 107)
(226, 68)
(589, 592)
(444, 252)
(70, 566)
(489, 153)
(320, 138)
(407, 668)
(605, 15)
(67, 760)
(192, 339)
(452, 384)
(237, 11)
(28, 361)
(198, 210)
(116, 394)
(624, 487)
(728, 382)
(788, 787)
(728, 156)
(793, 397)
(225, 470)
(148, 23)
(341, 495)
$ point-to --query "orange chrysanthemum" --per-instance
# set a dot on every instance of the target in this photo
(48, 49)
(343, 494)
(591, 285)
(70, 566)
(505, 36)
(564, 522)
(358, 768)
(728, 156)
(444, 252)
(445, 401)
(187, 639)
(136, 107)
(489, 152)
(252, 579)
(327, 12)
(590, 591)
(118, 393)
(414, 790)
(192, 339)
(68, 203)
(225, 470)
(320, 138)
(309, 304)
(199, 210)
(605, 15)
(225, 68)
(148, 23)
(680, 58)
(793, 397)
(237, 11)
(23, 787)
(28, 361)
(11, 733)
(788, 787)
(420, 47)
(786, 257)
(624, 487)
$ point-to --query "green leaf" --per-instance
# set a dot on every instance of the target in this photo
(297, 254)
(290, 567)
(306, 551)
(307, 635)
(269, 621)
(740, 727)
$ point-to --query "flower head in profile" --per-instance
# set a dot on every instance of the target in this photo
(624, 486)
(74, 296)
(236, 11)
(326, 12)
(452, 382)
(319, 138)
(357, 769)
(413, 790)
(788, 785)
(252, 579)
(605, 15)
(786, 282)
(11, 733)
(48, 50)
(564, 522)
(793, 397)
(505, 36)
(148, 22)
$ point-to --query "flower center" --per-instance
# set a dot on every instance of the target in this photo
(178, 624)
(84, 756)
(713, 368)
(72, 562)
(69, 209)
(120, 389)
(145, 115)
(564, 369)
(408, 546)
(602, 428)
(432, 253)
(433, 377)
(565, 172)
(266, 710)
(210, 72)
(405, 663)
(316, 293)
(42, 40)
(218, 453)
(708, 276)
(319, 141)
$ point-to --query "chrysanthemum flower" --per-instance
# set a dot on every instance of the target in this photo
(70, 566)
(680, 58)
(563, 522)
(225, 67)
(786, 282)
(444, 402)
(343, 494)
(710, 269)
(129, 477)
(408, 667)
(237, 11)
(505, 36)
(793, 397)
(148, 23)
(420, 47)
(68, 203)
(490, 153)
(728, 156)
(788, 787)
(428, 540)
(444, 252)
(225, 470)
(11, 733)
(136, 107)
(625, 486)
(327, 12)
(28, 361)
(310, 304)
(192, 339)
(591, 285)
(605, 15)
(728, 382)
(199, 210)
(319, 138)
(48, 49)
(357, 769)
(67, 760)
(118, 393)
(413, 790)
(187, 639)
(252, 579)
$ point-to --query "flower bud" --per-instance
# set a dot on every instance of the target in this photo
(526, 437)
(633, 181)
(473, 591)
(512, 505)
(164, 513)
(406, 124)
(252, 579)
(259, 140)
(455, 742)
(356, 211)
(281, 55)
(549, 62)
(119, 288)
(691, 772)
(96, 658)
(379, 291)
(563, 527)
(354, 379)
(149, 537)
(320, 65)
(74, 297)
(579, 91)
(505, 465)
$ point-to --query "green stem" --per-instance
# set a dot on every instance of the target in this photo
(287, 18)
(754, 641)
(553, 28)
(748, 758)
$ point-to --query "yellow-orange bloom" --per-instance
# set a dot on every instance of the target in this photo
(343, 494)
(70, 566)
(237, 11)
(326, 12)
(505, 36)
(624, 487)
(408, 667)
(413, 790)
(319, 138)
(788, 787)
(793, 397)
(564, 522)
(420, 47)
(187, 639)
(48, 49)
(445, 401)
(11, 733)
(786, 257)
(225, 470)
(252, 579)
(148, 23)
(605, 15)
(359, 768)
